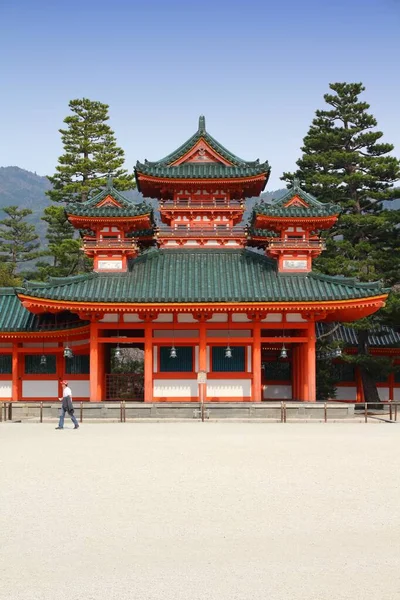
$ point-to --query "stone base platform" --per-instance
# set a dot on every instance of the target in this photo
(116, 411)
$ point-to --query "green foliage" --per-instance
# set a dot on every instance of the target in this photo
(346, 162)
(90, 154)
(19, 242)
(7, 278)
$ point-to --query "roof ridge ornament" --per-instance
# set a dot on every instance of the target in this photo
(202, 124)
(296, 184)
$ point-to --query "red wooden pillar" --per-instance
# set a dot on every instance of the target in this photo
(101, 392)
(295, 373)
(15, 391)
(359, 386)
(256, 388)
(311, 365)
(303, 372)
(148, 362)
(94, 363)
(202, 357)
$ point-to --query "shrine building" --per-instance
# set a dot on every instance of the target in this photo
(200, 291)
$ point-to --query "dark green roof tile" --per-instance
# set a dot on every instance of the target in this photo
(128, 207)
(239, 168)
(277, 208)
(202, 276)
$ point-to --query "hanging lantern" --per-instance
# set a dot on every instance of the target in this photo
(68, 352)
(118, 353)
(338, 352)
(43, 360)
(283, 353)
(173, 353)
(228, 352)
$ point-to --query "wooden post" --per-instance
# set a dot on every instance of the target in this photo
(311, 367)
(94, 363)
(256, 388)
(148, 362)
(202, 358)
(15, 374)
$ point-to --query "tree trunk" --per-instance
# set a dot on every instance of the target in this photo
(368, 382)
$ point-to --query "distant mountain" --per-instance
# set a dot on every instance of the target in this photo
(25, 190)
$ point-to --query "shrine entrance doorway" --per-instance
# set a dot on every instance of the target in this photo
(125, 372)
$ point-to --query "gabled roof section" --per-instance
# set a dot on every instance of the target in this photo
(204, 276)
(109, 203)
(296, 203)
(219, 160)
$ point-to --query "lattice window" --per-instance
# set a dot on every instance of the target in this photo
(182, 363)
(77, 365)
(278, 370)
(5, 364)
(221, 364)
(34, 367)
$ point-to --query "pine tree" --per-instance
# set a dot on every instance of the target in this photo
(90, 154)
(345, 161)
(19, 242)
(63, 248)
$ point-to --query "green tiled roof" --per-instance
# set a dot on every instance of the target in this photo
(202, 276)
(90, 209)
(384, 337)
(15, 317)
(240, 168)
(277, 207)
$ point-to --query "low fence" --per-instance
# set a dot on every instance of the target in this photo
(283, 412)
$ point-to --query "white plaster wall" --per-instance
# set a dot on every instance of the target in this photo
(346, 393)
(77, 343)
(164, 319)
(39, 389)
(277, 392)
(155, 359)
(168, 388)
(186, 318)
(132, 319)
(5, 345)
(39, 345)
(273, 318)
(221, 388)
(196, 358)
(110, 318)
(240, 318)
(249, 359)
(218, 318)
(223, 333)
(396, 394)
(5, 389)
(80, 388)
(383, 393)
(178, 333)
(294, 318)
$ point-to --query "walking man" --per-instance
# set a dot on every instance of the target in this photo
(67, 406)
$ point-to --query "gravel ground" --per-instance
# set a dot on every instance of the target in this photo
(190, 511)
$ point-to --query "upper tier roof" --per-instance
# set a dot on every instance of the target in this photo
(224, 164)
(198, 276)
(122, 207)
(283, 207)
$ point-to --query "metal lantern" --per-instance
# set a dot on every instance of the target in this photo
(228, 352)
(118, 353)
(173, 353)
(283, 353)
(43, 360)
(338, 352)
(68, 352)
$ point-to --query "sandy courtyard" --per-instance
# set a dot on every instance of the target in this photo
(190, 511)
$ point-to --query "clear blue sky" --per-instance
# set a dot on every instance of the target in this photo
(257, 70)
